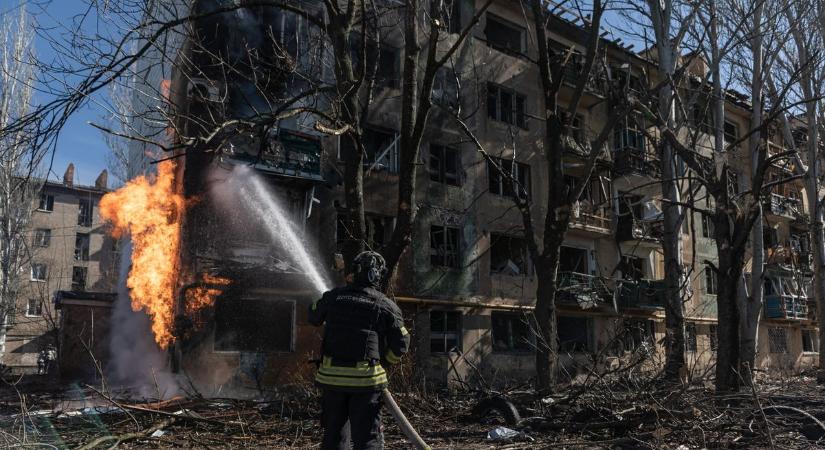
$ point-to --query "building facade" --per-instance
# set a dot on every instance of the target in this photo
(69, 251)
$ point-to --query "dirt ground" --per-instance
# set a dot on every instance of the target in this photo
(621, 413)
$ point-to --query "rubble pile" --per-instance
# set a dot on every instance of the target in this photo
(623, 412)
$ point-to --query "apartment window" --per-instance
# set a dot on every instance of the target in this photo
(702, 118)
(46, 202)
(445, 88)
(731, 132)
(503, 185)
(711, 284)
(42, 237)
(637, 333)
(380, 147)
(778, 340)
(444, 165)
(511, 332)
(809, 341)
(84, 215)
(632, 268)
(81, 247)
(378, 230)
(79, 278)
(452, 13)
(445, 330)
(707, 226)
(504, 35)
(387, 70)
(574, 334)
(577, 128)
(770, 238)
(690, 337)
(34, 308)
(508, 255)
(39, 272)
(506, 105)
(444, 246)
(629, 139)
(713, 337)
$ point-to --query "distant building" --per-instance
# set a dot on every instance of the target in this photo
(70, 251)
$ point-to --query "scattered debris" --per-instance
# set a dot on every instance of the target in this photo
(504, 434)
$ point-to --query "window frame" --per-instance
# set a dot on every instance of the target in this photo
(49, 202)
(511, 345)
(446, 230)
(439, 174)
(45, 271)
(520, 170)
(525, 269)
(83, 283)
(87, 219)
(691, 338)
(445, 334)
(812, 336)
(778, 340)
(710, 282)
(501, 22)
(517, 114)
(42, 237)
(38, 307)
(82, 246)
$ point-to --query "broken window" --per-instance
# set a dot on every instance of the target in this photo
(637, 333)
(690, 337)
(508, 255)
(577, 128)
(707, 226)
(444, 246)
(387, 70)
(46, 202)
(769, 237)
(254, 325)
(379, 229)
(452, 13)
(632, 268)
(511, 332)
(503, 185)
(444, 165)
(34, 308)
(572, 259)
(778, 340)
(444, 331)
(574, 334)
(506, 105)
(81, 247)
(79, 278)
(711, 283)
(731, 132)
(42, 237)
(84, 215)
(809, 341)
(380, 147)
(39, 272)
(445, 88)
(504, 35)
(629, 139)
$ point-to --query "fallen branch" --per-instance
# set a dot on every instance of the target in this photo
(129, 436)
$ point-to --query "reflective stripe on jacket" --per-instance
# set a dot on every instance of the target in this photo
(361, 375)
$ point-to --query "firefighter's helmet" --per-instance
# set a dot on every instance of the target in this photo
(369, 267)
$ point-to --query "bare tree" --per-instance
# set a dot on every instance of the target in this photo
(17, 187)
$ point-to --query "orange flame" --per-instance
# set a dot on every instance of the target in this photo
(149, 210)
(203, 296)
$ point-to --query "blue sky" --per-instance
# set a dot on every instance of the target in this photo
(79, 142)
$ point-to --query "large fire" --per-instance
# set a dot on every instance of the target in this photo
(150, 211)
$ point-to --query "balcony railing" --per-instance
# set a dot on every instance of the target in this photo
(633, 229)
(587, 217)
(779, 205)
(789, 307)
(787, 255)
(632, 161)
(642, 294)
(588, 291)
(288, 153)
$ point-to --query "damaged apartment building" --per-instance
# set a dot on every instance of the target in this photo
(466, 283)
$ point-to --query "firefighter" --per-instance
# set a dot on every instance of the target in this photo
(364, 331)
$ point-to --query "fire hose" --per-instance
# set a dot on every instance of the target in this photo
(403, 423)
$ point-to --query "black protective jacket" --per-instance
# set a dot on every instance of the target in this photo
(363, 329)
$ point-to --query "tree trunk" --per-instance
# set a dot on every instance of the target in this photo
(547, 353)
(727, 353)
(751, 306)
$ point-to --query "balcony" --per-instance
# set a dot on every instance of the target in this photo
(642, 294)
(632, 161)
(790, 257)
(787, 307)
(287, 153)
(586, 291)
(632, 229)
(591, 219)
(781, 206)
